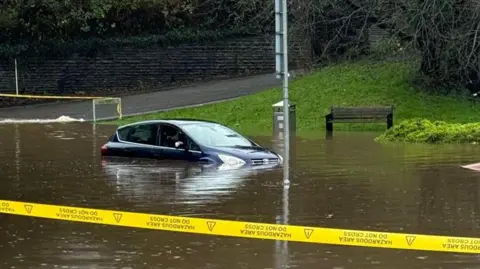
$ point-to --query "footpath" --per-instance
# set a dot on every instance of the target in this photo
(148, 102)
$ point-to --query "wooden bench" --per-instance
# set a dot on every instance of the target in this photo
(359, 114)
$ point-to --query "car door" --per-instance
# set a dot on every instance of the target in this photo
(193, 152)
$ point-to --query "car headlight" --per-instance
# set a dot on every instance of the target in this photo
(280, 158)
(230, 160)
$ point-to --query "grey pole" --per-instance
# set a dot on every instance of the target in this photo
(16, 77)
(281, 60)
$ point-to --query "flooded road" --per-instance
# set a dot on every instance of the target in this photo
(346, 182)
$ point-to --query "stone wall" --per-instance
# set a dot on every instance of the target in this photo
(131, 68)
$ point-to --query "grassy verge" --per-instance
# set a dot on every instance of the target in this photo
(347, 84)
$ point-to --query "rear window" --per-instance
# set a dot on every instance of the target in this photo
(143, 134)
(123, 133)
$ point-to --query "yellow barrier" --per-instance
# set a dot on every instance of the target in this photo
(52, 96)
(118, 108)
(245, 229)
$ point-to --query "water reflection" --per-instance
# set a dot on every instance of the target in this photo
(448, 203)
(281, 256)
(193, 183)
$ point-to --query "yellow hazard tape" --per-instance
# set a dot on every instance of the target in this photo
(52, 96)
(245, 229)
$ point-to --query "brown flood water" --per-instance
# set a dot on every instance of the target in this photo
(347, 182)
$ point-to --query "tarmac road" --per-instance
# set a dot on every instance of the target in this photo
(148, 102)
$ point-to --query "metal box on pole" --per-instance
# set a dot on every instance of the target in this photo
(279, 119)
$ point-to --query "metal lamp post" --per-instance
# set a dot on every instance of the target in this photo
(281, 64)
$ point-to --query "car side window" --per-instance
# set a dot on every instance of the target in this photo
(142, 134)
(169, 135)
(123, 132)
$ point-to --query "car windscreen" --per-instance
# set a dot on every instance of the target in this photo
(215, 135)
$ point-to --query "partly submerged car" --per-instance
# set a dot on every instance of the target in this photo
(189, 140)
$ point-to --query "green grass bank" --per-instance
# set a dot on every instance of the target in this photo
(348, 84)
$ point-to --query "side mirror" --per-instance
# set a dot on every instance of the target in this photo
(179, 144)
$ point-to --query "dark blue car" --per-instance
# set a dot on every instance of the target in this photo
(189, 140)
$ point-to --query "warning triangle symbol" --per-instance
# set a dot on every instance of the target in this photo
(28, 208)
(410, 239)
(211, 225)
(117, 216)
(308, 233)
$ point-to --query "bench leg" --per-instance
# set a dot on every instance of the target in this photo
(328, 125)
(389, 121)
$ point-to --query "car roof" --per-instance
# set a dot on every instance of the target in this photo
(178, 122)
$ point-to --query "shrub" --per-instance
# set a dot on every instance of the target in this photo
(419, 130)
